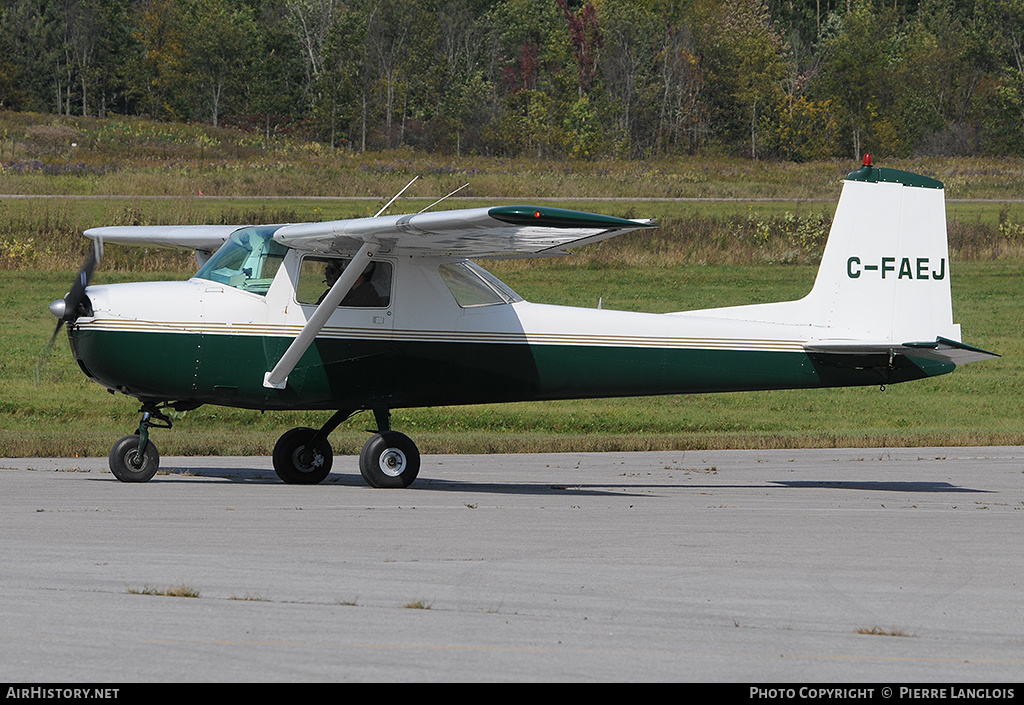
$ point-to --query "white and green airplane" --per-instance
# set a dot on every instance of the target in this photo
(390, 312)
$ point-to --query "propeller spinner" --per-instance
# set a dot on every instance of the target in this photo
(67, 309)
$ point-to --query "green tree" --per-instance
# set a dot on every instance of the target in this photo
(939, 80)
(633, 35)
(467, 108)
(397, 33)
(115, 45)
(310, 23)
(747, 61)
(156, 73)
(220, 48)
(855, 63)
(342, 87)
(273, 86)
(1003, 23)
(32, 37)
(463, 97)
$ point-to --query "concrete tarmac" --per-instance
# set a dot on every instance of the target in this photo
(809, 566)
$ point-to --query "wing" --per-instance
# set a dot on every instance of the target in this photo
(501, 231)
(204, 239)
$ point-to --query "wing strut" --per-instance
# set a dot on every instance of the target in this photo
(277, 378)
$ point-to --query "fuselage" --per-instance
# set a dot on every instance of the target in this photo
(432, 339)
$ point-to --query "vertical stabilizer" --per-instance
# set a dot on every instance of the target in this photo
(884, 274)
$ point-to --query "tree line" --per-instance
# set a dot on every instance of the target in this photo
(766, 79)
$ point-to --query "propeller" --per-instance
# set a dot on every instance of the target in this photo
(68, 309)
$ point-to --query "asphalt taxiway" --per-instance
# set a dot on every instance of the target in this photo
(859, 565)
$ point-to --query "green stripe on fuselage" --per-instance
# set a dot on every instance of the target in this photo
(336, 374)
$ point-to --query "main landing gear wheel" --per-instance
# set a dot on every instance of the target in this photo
(389, 459)
(129, 465)
(297, 464)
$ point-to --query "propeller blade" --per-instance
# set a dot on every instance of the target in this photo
(75, 297)
(66, 309)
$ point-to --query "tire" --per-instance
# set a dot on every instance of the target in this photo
(288, 458)
(389, 459)
(124, 457)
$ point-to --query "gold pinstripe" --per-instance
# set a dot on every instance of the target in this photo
(524, 338)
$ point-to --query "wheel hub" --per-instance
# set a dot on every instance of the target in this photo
(392, 462)
(316, 459)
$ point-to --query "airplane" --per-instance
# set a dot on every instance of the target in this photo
(390, 311)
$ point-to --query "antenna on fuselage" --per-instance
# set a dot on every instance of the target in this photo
(395, 197)
(448, 196)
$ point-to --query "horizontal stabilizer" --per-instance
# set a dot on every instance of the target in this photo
(939, 350)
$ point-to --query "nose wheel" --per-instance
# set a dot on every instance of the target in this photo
(135, 458)
(303, 458)
(130, 461)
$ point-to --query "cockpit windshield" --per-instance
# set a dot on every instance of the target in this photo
(247, 261)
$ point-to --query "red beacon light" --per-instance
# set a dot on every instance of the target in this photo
(867, 160)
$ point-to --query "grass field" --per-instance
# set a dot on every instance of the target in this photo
(760, 241)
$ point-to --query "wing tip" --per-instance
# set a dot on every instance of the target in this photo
(547, 217)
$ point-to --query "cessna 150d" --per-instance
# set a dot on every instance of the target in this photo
(411, 321)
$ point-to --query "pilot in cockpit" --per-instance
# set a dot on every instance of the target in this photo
(363, 293)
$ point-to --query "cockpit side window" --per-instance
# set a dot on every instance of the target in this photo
(249, 260)
(318, 274)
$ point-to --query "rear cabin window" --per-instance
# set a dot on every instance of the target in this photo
(318, 274)
(473, 286)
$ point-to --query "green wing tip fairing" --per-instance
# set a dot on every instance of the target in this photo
(558, 218)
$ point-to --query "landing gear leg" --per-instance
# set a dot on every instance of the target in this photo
(389, 458)
(303, 456)
(135, 458)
